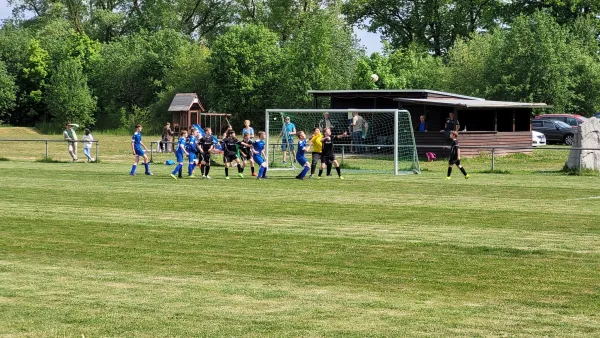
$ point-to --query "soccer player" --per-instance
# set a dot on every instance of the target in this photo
(192, 149)
(317, 147)
(246, 153)
(180, 152)
(328, 155)
(300, 157)
(455, 156)
(230, 148)
(137, 148)
(258, 149)
(206, 147)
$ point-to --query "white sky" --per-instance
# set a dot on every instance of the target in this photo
(371, 41)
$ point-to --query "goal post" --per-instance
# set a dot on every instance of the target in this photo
(383, 140)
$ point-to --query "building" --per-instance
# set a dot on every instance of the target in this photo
(482, 122)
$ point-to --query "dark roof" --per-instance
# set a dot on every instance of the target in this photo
(387, 92)
(473, 103)
(184, 101)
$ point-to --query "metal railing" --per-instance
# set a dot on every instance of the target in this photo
(51, 141)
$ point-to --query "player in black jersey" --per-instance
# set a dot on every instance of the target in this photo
(328, 157)
(230, 149)
(455, 155)
(206, 147)
(246, 153)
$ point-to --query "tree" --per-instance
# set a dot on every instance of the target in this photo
(321, 55)
(432, 23)
(8, 93)
(67, 95)
(246, 69)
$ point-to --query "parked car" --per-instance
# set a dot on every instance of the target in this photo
(573, 120)
(537, 139)
(555, 131)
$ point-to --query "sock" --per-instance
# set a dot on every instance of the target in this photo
(226, 171)
(147, 166)
(328, 169)
(338, 171)
(264, 172)
(180, 171)
(320, 172)
(261, 171)
(240, 168)
(312, 169)
(190, 168)
(243, 170)
(304, 172)
(252, 169)
(206, 169)
(449, 171)
(177, 168)
(133, 167)
(462, 170)
(202, 169)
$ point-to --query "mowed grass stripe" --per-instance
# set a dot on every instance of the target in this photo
(368, 256)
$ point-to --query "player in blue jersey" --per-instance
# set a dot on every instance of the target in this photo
(137, 148)
(192, 149)
(300, 155)
(258, 150)
(180, 152)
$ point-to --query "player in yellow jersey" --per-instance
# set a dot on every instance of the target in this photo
(317, 148)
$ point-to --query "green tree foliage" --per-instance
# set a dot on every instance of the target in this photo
(67, 95)
(246, 70)
(321, 55)
(8, 93)
(432, 23)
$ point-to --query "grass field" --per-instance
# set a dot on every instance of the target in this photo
(87, 249)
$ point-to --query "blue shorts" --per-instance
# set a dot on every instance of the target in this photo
(139, 151)
(258, 159)
(192, 156)
(301, 160)
(284, 145)
(179, 156)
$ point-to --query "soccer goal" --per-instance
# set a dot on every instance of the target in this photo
(383, 142)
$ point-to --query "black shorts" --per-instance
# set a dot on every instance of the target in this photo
(205, 157)
(315, 158)
(229, 158)
(453, 161)
(328, 159)
(245, 158)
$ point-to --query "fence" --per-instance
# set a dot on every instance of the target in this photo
(22, 147)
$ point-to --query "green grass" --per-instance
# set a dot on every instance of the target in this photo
(87, 249)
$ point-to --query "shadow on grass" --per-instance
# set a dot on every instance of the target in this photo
(50, 160)
(497, 171)
(4, 159)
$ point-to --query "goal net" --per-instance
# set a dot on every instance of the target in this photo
(381, 140)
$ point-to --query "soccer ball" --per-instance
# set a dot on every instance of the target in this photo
(374, 77)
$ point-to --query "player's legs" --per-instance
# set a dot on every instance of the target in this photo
(71, 152)
(252, 166)
(462, 170)
(450, 164)
(147, 165)
(284, 150)
(134, 166)
(337, 168)
(75, 151)
(239, 166)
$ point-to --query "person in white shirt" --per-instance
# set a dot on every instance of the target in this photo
(87, 144)
(71, 138)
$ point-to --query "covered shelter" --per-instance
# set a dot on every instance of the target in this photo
(482, 122)
(185, 109)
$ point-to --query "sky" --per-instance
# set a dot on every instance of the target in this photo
(371, 41)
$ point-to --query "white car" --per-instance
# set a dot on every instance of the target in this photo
(537, 139)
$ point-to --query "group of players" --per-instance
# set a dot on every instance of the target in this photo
(247, 151)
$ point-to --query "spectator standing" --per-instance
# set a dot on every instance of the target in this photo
(451, 125)
(326, 122)
(247, 129)
(87, 144)
(422, 124)
(287, 137)
(167, 138)
(359, 132)
(71, 138)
